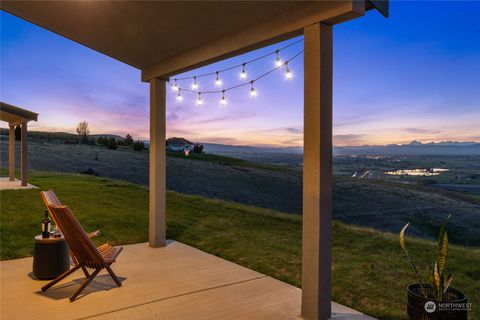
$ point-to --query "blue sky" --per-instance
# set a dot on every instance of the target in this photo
(415, 75)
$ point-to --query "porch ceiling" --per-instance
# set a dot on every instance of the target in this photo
(142, 33)
(146, 33)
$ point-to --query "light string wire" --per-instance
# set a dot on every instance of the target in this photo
(236, 66)
(242, 84)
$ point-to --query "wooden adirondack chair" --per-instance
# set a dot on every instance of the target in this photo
(50, 199)
(84, 250)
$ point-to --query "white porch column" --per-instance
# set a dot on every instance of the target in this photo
(157, 221)
(24, 155)
(317, 173)
(11, 153)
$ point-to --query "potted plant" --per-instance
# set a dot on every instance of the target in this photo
(435, 299)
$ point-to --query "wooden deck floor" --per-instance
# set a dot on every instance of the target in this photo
(175, 282)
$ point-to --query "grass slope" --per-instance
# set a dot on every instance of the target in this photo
(369, 271)
(229, 161)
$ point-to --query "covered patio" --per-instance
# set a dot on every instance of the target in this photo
(177, 282)
(166, 38)
(16, 117)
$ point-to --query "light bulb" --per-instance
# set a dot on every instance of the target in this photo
(199, 100)
(288, 74)
(278, 61)
(223, 101)
(218, 81)
(175, 86)
(179, 96)
(253, 93)
(194, 84)
(243, 74)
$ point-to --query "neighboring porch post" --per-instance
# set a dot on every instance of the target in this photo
(157, 222)
(11, 153)
(317, 173)
(24, 155)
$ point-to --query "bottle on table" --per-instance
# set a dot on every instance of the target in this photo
(46, 224)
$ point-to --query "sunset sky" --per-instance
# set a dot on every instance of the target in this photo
(413, 76)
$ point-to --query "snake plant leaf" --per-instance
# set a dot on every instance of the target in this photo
(436, 276)
(431, 280)
(442, 245)
(402, 238)
(442, 253)
(442, 232)
(402, 244)
(448, 282)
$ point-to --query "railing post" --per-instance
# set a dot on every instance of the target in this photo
(157, 210)
(317, 173)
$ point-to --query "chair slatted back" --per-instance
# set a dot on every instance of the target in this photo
(51, 199)
(78, 241)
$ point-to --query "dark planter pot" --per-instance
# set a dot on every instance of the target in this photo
(452, 308)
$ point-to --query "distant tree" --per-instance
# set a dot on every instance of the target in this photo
(83, 131)
(128, 140)
(18, 133)
(138, 145)
(198, 148)
(112, 144)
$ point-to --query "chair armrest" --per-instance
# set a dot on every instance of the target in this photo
(94, 234)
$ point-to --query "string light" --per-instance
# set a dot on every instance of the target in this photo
(218, 81)
(278, 61)
(175, 86)
(253, 93)
(223, 101)
(241, 64)
(288, 73)
(179, 95)
(199, 99)
(243, 74)
(194, 84)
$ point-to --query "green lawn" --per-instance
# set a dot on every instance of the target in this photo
(369, 271)
(229, 161)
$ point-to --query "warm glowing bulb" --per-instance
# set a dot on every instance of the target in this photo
(253, 93)
(278, 61)
(223, 101)
(243, 74)
(175, 86)
(199, 101)
(218, 81)
(194, 84)
(179, 96)
(288, 74)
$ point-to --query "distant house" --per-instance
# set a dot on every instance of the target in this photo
(179, 144)
(179, 147)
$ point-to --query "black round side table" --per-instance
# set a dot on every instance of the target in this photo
(50, 257)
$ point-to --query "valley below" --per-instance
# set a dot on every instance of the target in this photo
(378, 201)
